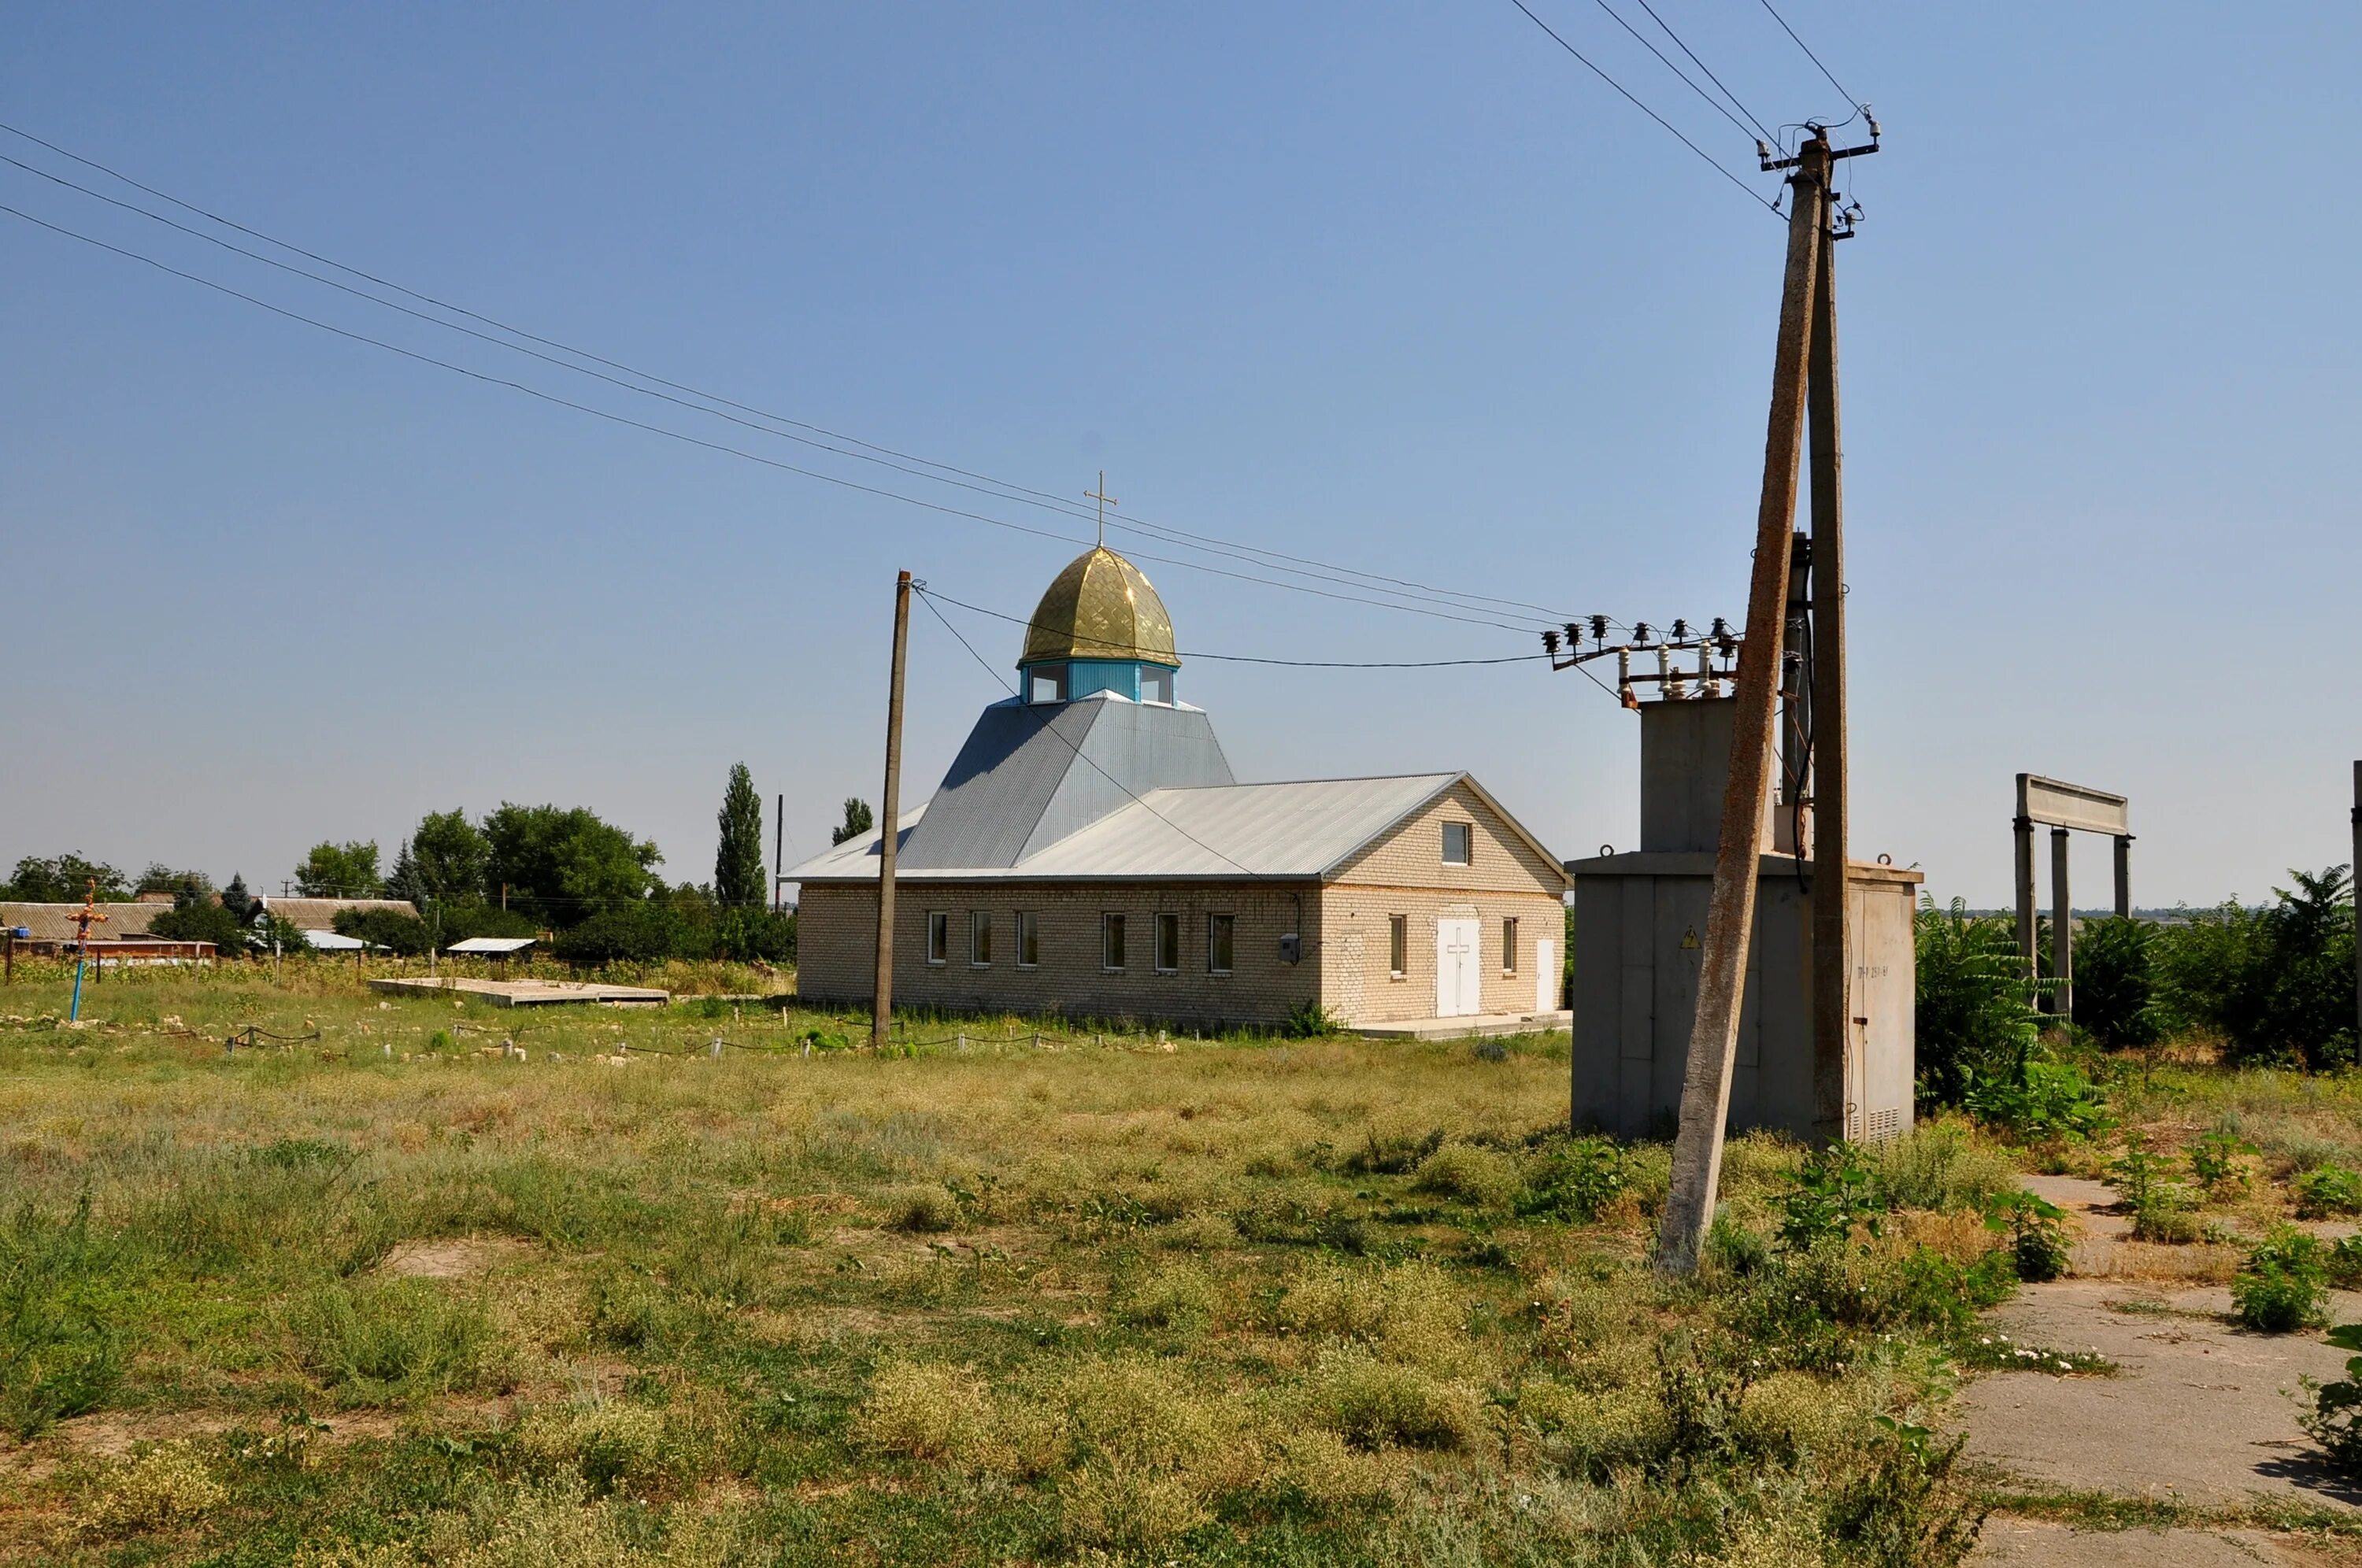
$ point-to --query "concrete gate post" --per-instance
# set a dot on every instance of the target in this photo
(2062, 926)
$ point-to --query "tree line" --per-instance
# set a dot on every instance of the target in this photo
(516, 871)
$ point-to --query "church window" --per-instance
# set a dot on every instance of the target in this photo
(1397, 945)
(979, 939)
(1046, 683)
(1220, 932)
(1458, 843)
(1111, 942)
(1155, 685)
(1168, 944)
(939, 936)
(1029, 939)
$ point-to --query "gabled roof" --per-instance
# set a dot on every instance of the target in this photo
(55, 923)
(1306, 831)
(320, 914)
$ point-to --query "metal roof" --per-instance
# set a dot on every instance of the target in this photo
(1302, 831)
(332, 941)
(55, 923)
(1033, 773)
(320, 914)
(493, 945)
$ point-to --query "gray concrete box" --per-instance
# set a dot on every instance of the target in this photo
(1639, 930)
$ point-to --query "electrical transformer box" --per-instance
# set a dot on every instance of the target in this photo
(1639, 930)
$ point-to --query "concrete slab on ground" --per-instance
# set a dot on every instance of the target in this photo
(2198, 1411)
(2037, 1543)
(1477, 1024)
(527, 993)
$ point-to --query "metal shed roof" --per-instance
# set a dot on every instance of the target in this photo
(55, 923)
(496, 945)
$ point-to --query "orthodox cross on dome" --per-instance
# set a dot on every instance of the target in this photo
(1105, 501)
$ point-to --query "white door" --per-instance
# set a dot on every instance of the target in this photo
(1546, 976)
(1457, 991)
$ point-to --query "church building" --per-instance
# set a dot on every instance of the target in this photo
(1090, 854)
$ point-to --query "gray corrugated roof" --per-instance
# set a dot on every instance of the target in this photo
(858, 856)
(320, 914)
(54, 922)
(1031, 775)
(1299, 830)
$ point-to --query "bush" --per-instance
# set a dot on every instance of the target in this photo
(2332, 1408)
(2283, 1286)
(921, 1209)
(1835, 1191)
(2278, 982)
(2160, 1208)
(165, 1485)
(1940, 1168)
(924, 1410)
(1573, 1179)
(203, 920)
(1976, 1019)
(1481, 1178)
(2214, 1162)
(2036, 1231)
(404, 935)
(648, 931)
(2041, 1100)
(1308, 1020)
(2115, 996)
(2327, 1190)
(1374, 1403)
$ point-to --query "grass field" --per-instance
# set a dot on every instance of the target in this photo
(393, 1296)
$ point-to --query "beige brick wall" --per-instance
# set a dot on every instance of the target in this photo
(836, 958)
(1403, 873)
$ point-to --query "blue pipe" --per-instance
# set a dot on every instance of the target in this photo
(75, 1013)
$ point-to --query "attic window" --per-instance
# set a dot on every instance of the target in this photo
(1046, 683)
(1458, 843)
(1155, 684)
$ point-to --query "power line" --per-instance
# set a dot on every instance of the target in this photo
(1018, 494)
(532, 391)
(1291, 663)
(1027, 708)
(1618, 16)
(1702, 65)
(1709, 159)
(1811, 56)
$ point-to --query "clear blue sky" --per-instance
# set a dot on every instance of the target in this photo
(1399, 286)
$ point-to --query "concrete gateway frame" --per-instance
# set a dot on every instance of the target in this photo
(2065, 808)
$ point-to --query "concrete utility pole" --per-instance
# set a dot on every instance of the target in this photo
(882, 1010)
(2124, 875)
(2062, 926)
(1730, 909)
(1833, 1019)
(2026, 932)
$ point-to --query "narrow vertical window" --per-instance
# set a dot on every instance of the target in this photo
(1458, 843)
(1509, 947)
(1111, 942)
(939, 936)
(1029, 939)
(1168, 943)
(980, 938)
(1155, 685)
(1221, 930)
(1397, 945)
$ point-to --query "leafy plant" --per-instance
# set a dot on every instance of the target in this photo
(2332, 1408)
(2344, 1262)
(1308, 1020)
(1836, 1190)
(2276, 982)
(2115, 993)
(2214, 1162)
(1576, 1180)
(2160, 1208)
(2043, 1100)
(2283, 1286)
(2326, 1190)
(2036, 1231)
(1977, 1020)
(1901, 1508)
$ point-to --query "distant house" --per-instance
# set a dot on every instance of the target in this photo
(316, 917)
(122, 938)
(1090, 854)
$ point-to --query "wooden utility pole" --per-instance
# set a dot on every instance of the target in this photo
(1730, 909)
(882, 1012)
(1832, 886)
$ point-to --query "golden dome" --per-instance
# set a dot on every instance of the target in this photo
(1100, 607)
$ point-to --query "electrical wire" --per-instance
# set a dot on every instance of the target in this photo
(1027, 709)
(1709, 159)
(1246, 658)
(490, 380)
(1702, 65)
(1642, 40)
(1021, 494)
(1811, 56)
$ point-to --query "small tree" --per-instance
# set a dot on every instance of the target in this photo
(738, 862)
(238, 900)
(858, 821)
(346, 870)
(2276, 982)
(203, 920)
(64, 878)
(186, 886)
(1977, 1020)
